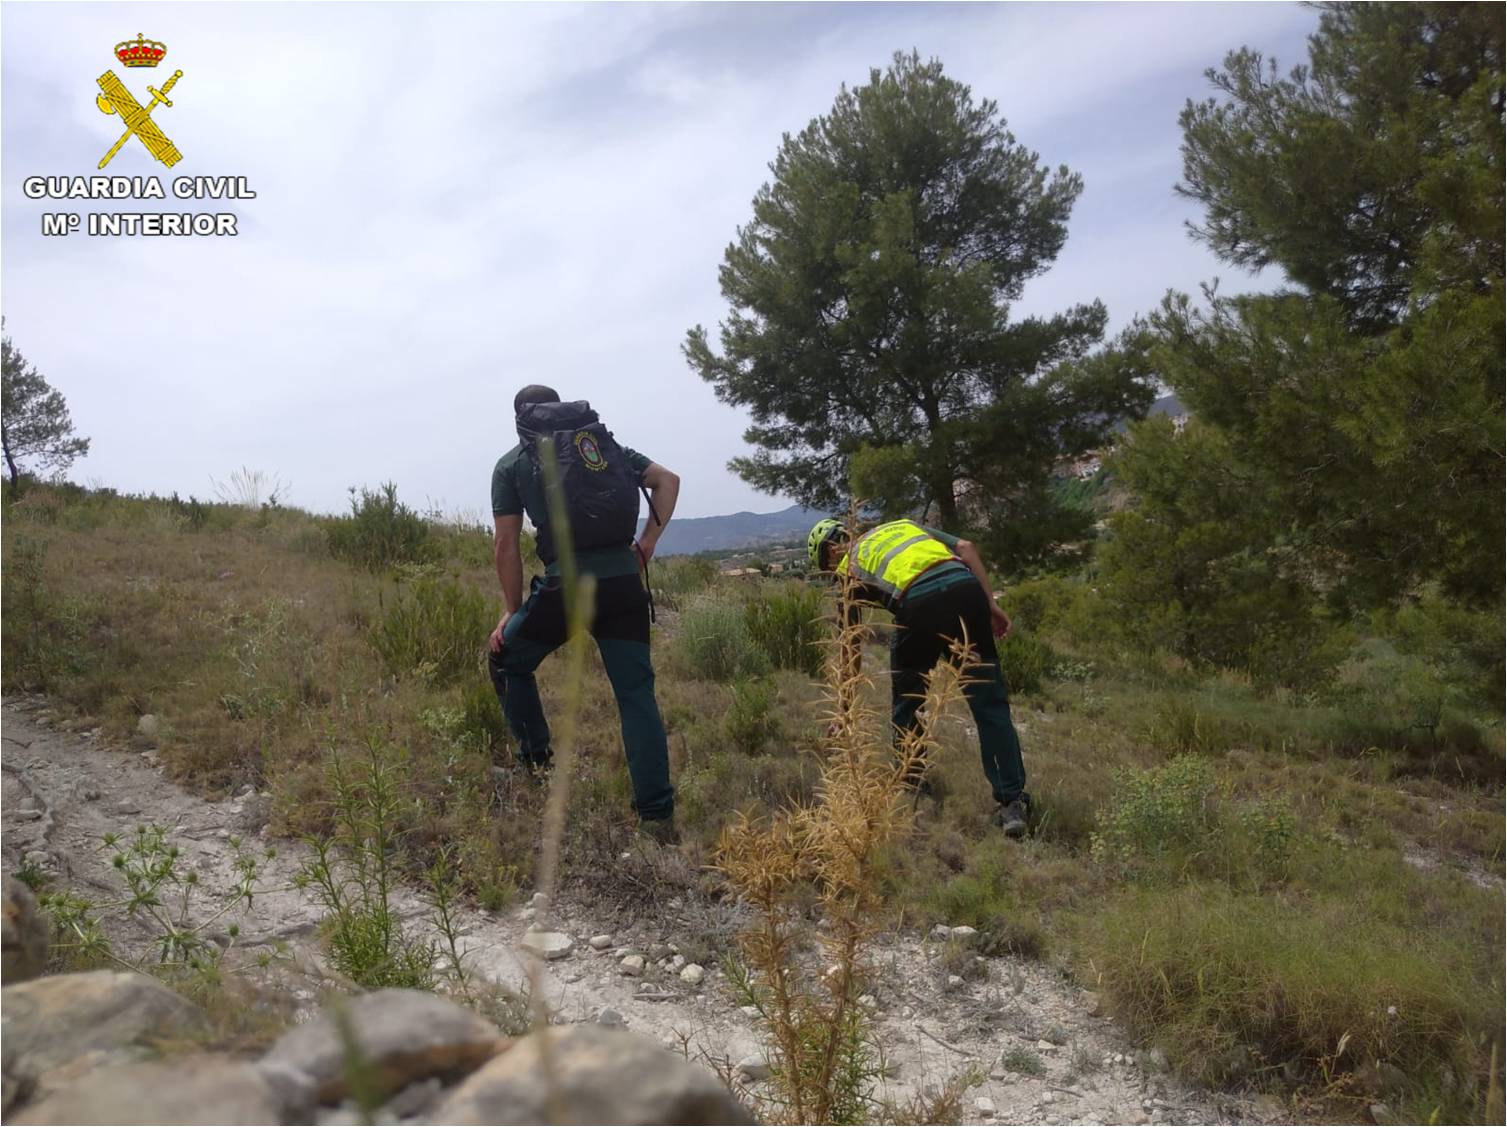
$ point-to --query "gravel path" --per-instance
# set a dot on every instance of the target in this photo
(64, 790)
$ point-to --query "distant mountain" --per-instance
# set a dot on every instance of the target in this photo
(688, 535)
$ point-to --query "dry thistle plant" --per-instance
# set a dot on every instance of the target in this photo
(824, 1065)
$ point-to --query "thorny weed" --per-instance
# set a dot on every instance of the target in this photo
(161, 891)
(825, 1064)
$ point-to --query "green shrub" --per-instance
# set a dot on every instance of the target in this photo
(752, 721)
(789, 626)
(44, 639)
(1153, 812)
(380, 532)
(712, 642)
(1228, 982)
(435, 628)
(1025, 661)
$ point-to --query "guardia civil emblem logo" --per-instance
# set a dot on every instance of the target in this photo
(115, 98)
(590, 452)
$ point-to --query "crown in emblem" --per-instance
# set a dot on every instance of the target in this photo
(140, 52)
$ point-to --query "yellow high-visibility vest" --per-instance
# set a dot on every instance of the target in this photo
(893, 556)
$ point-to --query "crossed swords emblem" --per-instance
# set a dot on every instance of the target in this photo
(138, 118)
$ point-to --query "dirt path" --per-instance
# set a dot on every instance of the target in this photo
(64, 790)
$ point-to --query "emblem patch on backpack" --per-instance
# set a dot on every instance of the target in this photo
(590, 453)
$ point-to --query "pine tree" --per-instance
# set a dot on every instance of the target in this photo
(34, 420)
(870, 301)
(1370, 391)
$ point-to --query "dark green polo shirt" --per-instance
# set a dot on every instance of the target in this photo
(516, 490)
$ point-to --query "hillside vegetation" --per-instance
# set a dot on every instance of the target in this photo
(1287, 882)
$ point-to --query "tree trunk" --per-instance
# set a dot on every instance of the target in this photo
(15, 474)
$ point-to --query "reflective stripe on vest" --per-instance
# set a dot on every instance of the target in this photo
(893, 556)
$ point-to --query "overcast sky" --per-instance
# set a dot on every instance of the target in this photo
(457, 199)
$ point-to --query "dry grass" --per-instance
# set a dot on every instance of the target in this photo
(257, 651)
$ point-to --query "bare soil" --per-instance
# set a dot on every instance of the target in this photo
(65, 790)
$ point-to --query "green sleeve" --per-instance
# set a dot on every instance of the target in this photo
(506, 501)
(639, 462)
(949, 541)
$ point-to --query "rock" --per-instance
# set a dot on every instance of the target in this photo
(548, 945)
(1158, 1061)
(125, 808)
(404, 1036)
(600, 942)
(412, 1100)
(23, 934)
(967, 935)
(868, 1001)
(25, 814)
(611, 1017)
(985, 1107)
(539, 901)
(1048, 1097)
(692, 974)
(632, 966)
(750, 1011)
(599, 1076)
(754, 1066)
(187, 1088)
(148, 727)
(954, 981)
(110, 1017)
(1092, 1003)
(1380, 1113)
(658, 951)
(941, 933)
(676, 964)
(1056, 1035)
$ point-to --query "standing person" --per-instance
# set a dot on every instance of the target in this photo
(600, 482)
(937, 588)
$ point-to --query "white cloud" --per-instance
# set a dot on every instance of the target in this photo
(457, 199)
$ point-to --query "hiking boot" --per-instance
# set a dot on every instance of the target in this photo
(1011, 817)
(661, 830)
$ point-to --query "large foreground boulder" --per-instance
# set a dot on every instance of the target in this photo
(184, 1089)
(400, 1036)
(55, 1029)
(589, 1074)
(23, 935)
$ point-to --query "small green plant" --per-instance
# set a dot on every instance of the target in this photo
(380, 532)
(713, 642)
(163, 893)
(788, 626)
(435, 627)
(752, 722)
(1155, 812)
(356, 870)
(44, 638)
(1018, 1058)
(1025, 662)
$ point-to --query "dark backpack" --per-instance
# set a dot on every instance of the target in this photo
(600, 488)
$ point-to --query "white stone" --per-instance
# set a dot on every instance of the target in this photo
(1048, 1097)
(610, 1016)
(632, 966)
(677, 963)
(600, 942)
(692, 973)
(868, 1001)
(985, 1107)
(953, 982)
(754, 1067)
(941, 933)
(547, 944)
(750, 1011)
(965, 934)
